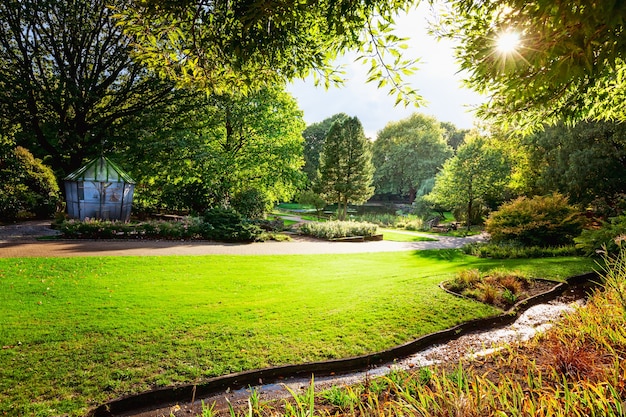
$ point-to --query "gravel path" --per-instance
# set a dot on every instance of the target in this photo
(20, 241)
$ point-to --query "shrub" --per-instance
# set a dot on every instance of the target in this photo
(228, 225)
(380, 219)
(27, 187)
(311, 198)
(605, 238)
(252, 203)
(225, 227)
(540, 221)
(339, 229)
(498, 287)
(513, 250)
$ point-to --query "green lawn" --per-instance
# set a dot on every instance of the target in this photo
(405, 236)
(75, 332)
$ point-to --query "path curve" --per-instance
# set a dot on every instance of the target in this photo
(15, 243)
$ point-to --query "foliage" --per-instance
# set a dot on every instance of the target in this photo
(230, 226)
(605, 238)
(585, 162)
(339, 229)
(614, 273)
(314, 138)
(380, 219)
(477, 174)
(69, 81)
(217, 224)
(498, 287)
(27, 186)
(512, 250)
(569, 64)
(407, 153)
(346, 168)
(224, 146)
(251, 203)
(453, 136)
(311, 198)
(245, 46)
(539, 221)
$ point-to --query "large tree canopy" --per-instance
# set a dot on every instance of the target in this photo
(477, 175)
(67, 77)
(569, 62)
(226, 146)
(408, 152)
(587, 162)
(221, 45)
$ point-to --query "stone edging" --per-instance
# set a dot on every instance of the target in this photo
(185, 393)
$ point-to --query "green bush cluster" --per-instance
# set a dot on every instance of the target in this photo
(607, 237)
(409, 222)
(230, 226)
(542, 221)
(217, 224)
(339, 229)
(513, 250)
(28, 188)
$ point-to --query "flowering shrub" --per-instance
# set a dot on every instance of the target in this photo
(339, 229)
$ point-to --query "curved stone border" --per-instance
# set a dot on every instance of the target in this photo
(186, 393)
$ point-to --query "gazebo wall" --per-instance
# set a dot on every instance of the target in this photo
(99, 200)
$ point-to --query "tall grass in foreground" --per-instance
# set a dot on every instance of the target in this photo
(576, 369)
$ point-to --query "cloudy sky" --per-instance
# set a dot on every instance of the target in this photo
(437, 80)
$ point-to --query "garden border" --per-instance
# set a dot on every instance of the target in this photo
(162, 397)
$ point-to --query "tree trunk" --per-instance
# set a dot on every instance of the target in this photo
(412, 194)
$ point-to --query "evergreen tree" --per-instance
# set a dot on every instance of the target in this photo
(346, 168)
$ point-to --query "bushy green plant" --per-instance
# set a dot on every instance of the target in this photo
(380, 219)
(514, 250)
(605, 238)
(252, 203)
(339, 229)
(225, 226)
(313, 199)
(27, 187)
(230, 226)
(539, 221)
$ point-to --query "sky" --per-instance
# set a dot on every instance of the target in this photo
(437, 80)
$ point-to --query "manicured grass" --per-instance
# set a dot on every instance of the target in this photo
(392, 235)
(76, 332)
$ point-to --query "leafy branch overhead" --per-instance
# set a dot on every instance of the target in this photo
(221, 46)
(568, 65)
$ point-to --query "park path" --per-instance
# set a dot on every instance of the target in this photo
(19, 241)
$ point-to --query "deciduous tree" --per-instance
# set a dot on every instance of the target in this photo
(241, 44)
(67, 78)
(228, 145)
(587, 162)
(408, 152)
(569, 62)
(478, 173)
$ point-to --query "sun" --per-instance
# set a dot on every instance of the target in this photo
(508, 42)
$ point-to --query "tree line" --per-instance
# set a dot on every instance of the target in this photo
(189, 96)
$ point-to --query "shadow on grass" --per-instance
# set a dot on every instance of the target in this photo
(440, 254)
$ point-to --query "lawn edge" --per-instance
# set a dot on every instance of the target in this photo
(161, 397)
